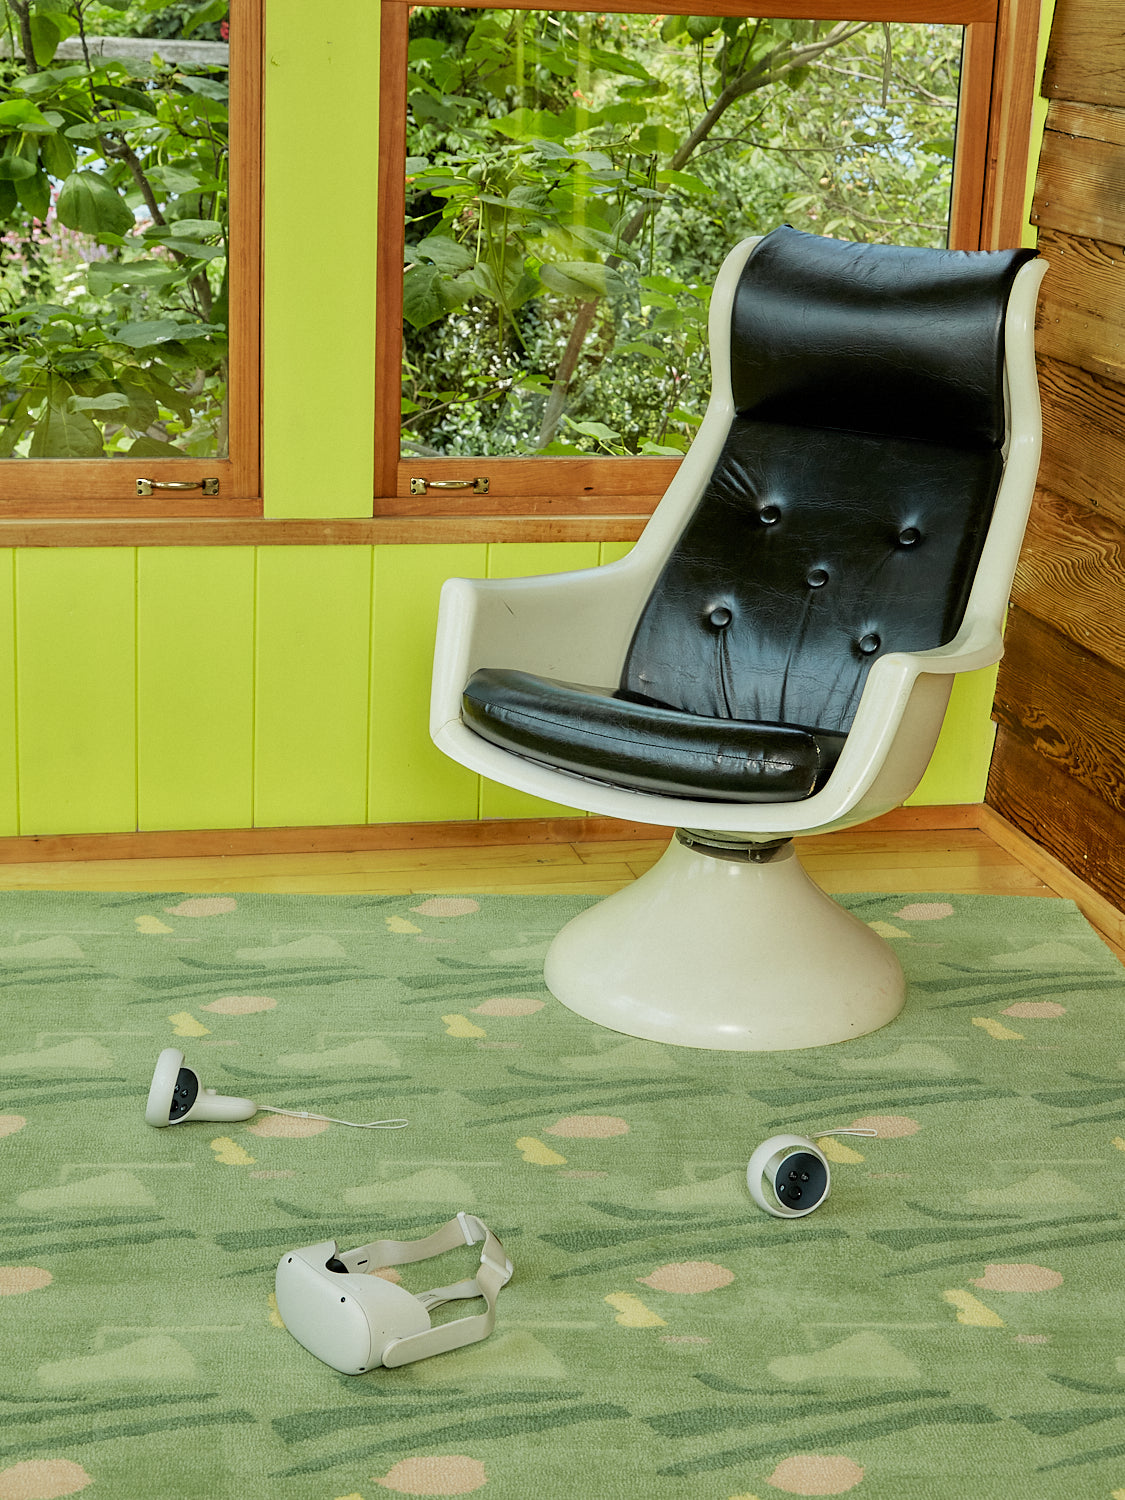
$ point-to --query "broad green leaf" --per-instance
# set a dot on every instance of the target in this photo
(149, 447)
(89, 204)
(22, 114)
(104, 276)
(580, 278)
(528, 124)
(35, 194)
(46, 33)
(684, 180)
(110, 401)
(421, 300)
(58, 155)
(447, 254)
(15, 168)
(152, 331)
(60, 433)
(701, 27)
(597, 430)
(210, 10)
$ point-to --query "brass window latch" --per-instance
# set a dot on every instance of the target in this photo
(420, 486)
(208, 486)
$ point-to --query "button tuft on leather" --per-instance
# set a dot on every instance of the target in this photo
(869, 644)
(909, 536)
(720, 617)
(769, 515)
(817, 578)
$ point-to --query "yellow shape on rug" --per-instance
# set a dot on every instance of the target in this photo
(400, 924)
(997, 1030)
(971, 1311)
(229, 1153)
(632, 1313)
(538, 1153)
(456, 1025)
(837, 1152)
(150, 923)
(185, 1024)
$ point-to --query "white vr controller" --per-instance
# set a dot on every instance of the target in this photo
(175, 1096)
(789, 1176)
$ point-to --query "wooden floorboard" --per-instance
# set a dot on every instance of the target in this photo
(989, 860)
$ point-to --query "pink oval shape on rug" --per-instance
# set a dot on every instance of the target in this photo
(452, 1474)
(43, 1479)
(1018, 1278)
(508, 1005)
(1035, 1010)
(448, 906)
(9, 1124)
(240, 1005)
(588, 1127)
(203, 906)
(687, 1277)
(813, 1474)
(925, 911)
(15, 1280)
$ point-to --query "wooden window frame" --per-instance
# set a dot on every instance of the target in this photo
(988, 211)
(59, 490)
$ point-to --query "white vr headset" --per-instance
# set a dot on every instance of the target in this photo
(355, 1321)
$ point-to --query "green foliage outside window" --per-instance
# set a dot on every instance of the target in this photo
(574, 182)
(113, 229)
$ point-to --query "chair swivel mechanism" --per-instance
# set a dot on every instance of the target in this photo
(774, 656)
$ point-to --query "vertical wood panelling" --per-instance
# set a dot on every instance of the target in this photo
(1086, 59)
(516, 560)
(410, 780)
(311, 685)
(195, 687)
(76, 687)
(9, 788)
(1059, 768)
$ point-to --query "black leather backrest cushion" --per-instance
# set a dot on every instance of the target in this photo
(873, 338)
(810, 555)
(847, 511)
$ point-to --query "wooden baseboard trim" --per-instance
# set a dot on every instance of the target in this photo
(1098, 911)
(210, 843)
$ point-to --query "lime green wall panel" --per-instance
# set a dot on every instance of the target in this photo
(319, 151)
(9, 790)
(409, 779)
(958, 771)
(311, 685)
(76, 689)
(195, 687)
(516, 560)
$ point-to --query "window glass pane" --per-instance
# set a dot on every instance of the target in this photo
(113, 202)
(574, 182)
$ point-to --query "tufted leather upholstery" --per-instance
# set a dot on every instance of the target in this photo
(844, 519)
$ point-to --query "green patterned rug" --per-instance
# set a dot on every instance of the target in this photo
(947, 1327)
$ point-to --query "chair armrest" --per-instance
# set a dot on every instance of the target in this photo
(572, 626)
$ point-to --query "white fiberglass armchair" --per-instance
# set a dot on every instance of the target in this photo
(775, 655)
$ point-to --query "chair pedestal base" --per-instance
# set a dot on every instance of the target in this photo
(708, 952)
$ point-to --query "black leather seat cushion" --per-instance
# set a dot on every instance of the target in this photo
(594, 732)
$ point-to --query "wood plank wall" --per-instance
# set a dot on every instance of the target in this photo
(1058, 771)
